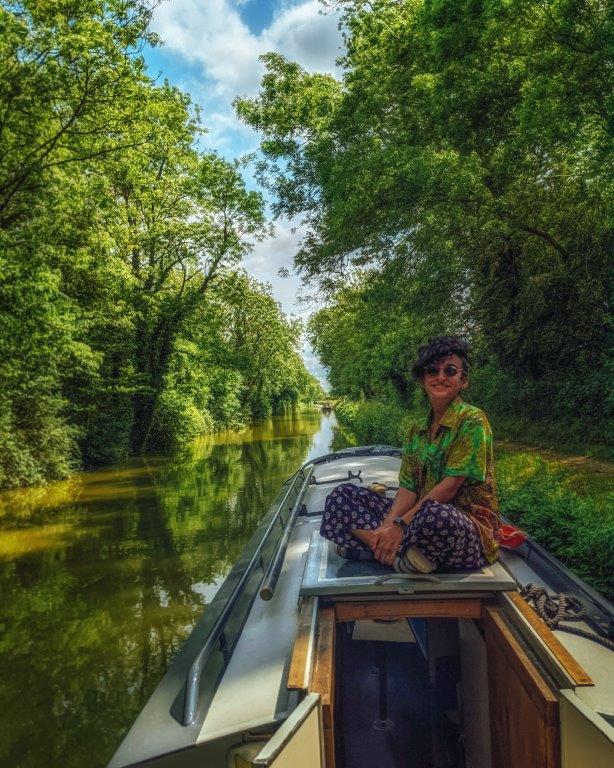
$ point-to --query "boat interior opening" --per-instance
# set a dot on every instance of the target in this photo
(399, 704)
(429, 690)
(415, 692)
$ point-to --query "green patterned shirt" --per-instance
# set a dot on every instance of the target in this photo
(462, 447)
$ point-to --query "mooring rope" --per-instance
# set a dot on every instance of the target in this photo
(554, 609)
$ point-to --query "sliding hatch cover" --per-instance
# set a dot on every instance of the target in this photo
(328, 574)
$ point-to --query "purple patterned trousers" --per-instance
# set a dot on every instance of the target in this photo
(445, 534)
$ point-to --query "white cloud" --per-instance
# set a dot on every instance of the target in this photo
(314, 366)
(305, 35)
(229, 136)
(212, 33)
(269, 256)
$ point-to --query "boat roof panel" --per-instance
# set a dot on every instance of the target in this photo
(252, 692)
(373, 469)
(598, 661)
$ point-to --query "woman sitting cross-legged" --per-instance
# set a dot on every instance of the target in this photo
(445, 514)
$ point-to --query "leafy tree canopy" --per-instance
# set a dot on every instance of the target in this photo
(465, 155)
(116, 235)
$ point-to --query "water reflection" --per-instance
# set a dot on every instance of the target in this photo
(103, 576)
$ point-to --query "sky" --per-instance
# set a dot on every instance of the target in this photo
(211, 50)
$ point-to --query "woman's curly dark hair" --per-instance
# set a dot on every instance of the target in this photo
(437, 349)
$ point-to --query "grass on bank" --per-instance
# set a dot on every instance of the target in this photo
(570, 515)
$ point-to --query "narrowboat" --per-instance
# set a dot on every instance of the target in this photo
(305, 659)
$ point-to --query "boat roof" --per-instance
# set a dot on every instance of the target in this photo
(250, 692)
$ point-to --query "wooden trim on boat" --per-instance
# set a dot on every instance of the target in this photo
(524, 710)
(300, 664)
(323, 678)
(404, 609)
(576, 673)
(544, 699)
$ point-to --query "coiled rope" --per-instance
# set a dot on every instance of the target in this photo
(554, 609)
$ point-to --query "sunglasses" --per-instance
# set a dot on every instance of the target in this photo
(449, 370)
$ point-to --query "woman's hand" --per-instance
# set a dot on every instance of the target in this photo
(386, 543)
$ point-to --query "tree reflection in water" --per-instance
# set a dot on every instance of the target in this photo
(103, 576)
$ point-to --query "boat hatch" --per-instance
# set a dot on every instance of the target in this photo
(328, 574)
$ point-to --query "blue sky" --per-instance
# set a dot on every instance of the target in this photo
(211, 50)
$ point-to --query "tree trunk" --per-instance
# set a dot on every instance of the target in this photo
(152, 364)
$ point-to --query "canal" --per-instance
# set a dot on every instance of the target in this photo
(103, 576)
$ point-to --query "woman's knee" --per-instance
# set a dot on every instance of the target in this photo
(338, 497)
(347, 488)
(433, 517)
(427, 512)
(343, 491)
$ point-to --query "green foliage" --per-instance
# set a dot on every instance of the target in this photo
(243, 329)
(36, 345)
(368, 336)
(259, 343)
(373, 421)
(70, 79)
(536, 495)
(458, 179)
(176, 422)
(116, 234)
(546, 412)
(236, 361)
(226, 406)
(37, 447)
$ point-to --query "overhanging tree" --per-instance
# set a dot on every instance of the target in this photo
(475, 134)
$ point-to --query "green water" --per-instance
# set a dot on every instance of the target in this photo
(103, 576)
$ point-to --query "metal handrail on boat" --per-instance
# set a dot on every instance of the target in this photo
(274, 569)
(196, 668)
